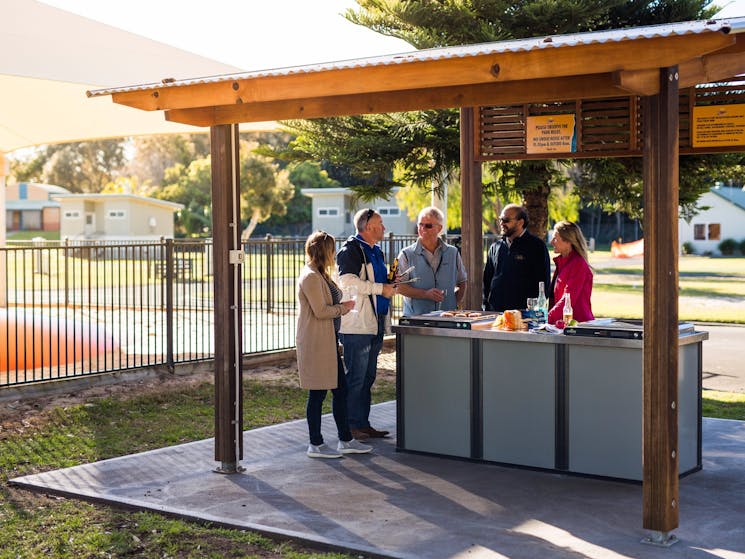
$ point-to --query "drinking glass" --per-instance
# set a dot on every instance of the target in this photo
(532, 304)
(349, 293)
(438, 306)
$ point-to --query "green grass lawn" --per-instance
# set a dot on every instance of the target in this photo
(36, 525)
(710, 289)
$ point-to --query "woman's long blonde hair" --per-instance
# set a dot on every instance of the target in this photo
(320, 251)
(572, 234)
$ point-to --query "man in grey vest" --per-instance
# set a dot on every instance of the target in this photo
(438, 267)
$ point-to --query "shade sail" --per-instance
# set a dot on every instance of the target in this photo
(51, 57)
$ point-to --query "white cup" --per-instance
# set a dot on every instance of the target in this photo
(349, 293)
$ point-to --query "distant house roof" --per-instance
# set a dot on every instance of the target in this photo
(50, 188)
(28, 205)
(129, 197)
(732, 194)
(336, 190)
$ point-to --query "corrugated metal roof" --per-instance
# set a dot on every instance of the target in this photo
(731, 25)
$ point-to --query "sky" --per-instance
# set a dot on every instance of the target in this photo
(249, 34)
(731, 8)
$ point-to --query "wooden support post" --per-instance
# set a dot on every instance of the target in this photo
(471, 208)
(227, 262)
(660, 481)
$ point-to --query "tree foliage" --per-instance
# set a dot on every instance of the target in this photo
(425, 145)
(297, 220)
(265, 190)
(152, 155)
(77, 166)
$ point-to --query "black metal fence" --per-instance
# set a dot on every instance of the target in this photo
(76, 308)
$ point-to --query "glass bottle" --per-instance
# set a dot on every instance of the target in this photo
(393, 271)
(542, 302)
(568, 312)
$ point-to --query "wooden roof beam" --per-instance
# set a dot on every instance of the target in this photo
(533, 91)
(545, 63)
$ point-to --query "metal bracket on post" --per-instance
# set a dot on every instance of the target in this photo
(229, 468)
(237, 257)
(660, 539)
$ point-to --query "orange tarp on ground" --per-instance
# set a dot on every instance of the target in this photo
(31, 340)
(627, 250)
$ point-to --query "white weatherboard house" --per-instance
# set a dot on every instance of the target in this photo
(723, 219)
(116, 217)
(334, 209)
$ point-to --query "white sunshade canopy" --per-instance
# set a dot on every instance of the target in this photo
(51, 57)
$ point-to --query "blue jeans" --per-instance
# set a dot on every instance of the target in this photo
(361, 358)
(314, 408)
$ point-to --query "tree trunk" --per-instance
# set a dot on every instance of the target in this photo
(536, 202)
(252, 223)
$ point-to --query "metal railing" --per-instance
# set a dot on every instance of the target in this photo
(74, 308)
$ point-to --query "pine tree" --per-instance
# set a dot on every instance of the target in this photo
(425, 145)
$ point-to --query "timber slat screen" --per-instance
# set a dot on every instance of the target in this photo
(611, 127)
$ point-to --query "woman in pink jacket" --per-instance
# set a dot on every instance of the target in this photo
(572, 275)
(318, 360)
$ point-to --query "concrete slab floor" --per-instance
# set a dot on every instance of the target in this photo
(402, 505)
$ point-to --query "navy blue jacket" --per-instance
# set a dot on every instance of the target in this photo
(512, 273)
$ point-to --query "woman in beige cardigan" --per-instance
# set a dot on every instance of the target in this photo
(318, 360)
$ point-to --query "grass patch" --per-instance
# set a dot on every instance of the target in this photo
(39, 525)
(723, 405)
(710, 289)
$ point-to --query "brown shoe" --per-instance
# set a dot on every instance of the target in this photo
(374, 433)
(360, 434)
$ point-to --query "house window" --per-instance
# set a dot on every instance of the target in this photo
(389, 211)
(707, 231)
(328, 212)
(72, 214)
(116, 214)
(699, 232)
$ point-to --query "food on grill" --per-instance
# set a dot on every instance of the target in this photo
(510, 320)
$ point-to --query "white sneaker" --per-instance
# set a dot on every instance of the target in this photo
(353, 447)
(322, 451)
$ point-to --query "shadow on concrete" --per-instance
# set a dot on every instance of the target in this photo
(395, 504)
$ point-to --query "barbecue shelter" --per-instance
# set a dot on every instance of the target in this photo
(620, 92)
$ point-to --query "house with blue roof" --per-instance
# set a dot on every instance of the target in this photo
(722, 217)
(29, 206)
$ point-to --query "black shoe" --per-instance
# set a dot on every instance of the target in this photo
(374, 433)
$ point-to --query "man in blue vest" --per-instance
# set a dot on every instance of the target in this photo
(438, 268)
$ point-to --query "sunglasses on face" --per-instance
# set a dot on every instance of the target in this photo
(506, 219)
(427, 225)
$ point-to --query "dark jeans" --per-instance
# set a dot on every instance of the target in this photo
(338, 406)
(361, 358)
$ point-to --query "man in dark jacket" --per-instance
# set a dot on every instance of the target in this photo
(362, 266)
(515, 264)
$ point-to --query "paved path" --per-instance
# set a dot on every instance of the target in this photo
(409, 506)
(724, 357)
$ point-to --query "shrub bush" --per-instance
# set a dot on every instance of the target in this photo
(727, 247)
(688, 248)
(742, 247)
